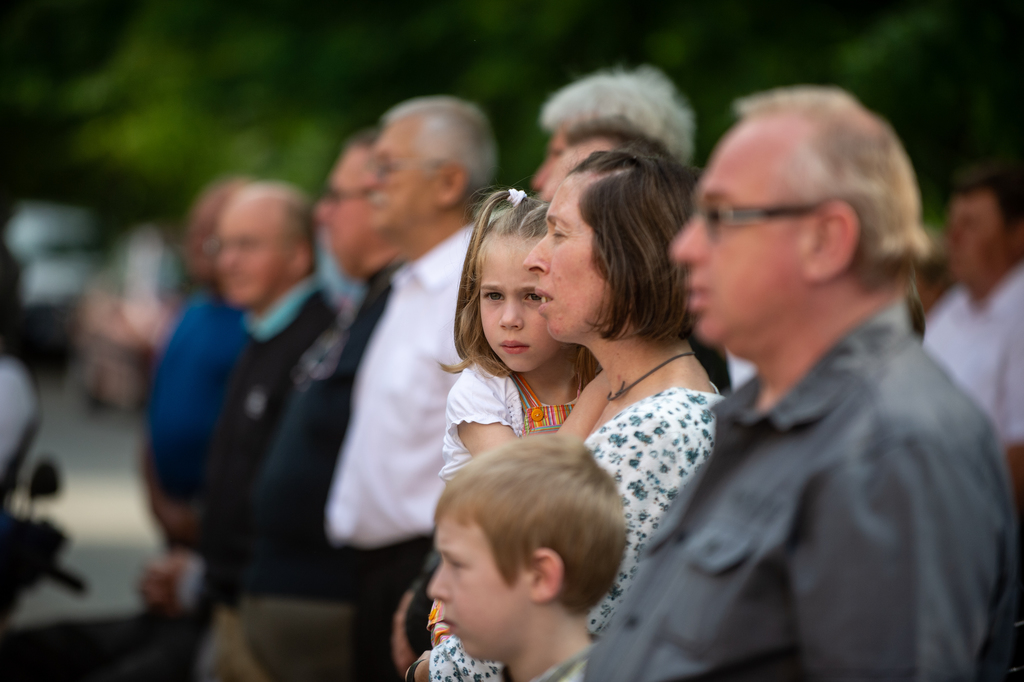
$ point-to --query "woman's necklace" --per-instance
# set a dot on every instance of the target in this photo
(621, 391)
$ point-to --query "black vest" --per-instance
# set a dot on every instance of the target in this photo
(252, 407)
(291, 555)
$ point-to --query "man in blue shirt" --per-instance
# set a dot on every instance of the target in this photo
(190, 380)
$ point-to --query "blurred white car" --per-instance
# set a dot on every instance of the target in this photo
(58, 249)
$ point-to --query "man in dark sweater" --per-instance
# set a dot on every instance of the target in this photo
(265, 260)
(297, 607)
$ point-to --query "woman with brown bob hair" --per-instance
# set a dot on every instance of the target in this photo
(607, 283)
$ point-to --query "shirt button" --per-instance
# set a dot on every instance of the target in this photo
(537, 414)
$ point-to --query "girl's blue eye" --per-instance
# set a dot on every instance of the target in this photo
(492, 296)
(532, 297)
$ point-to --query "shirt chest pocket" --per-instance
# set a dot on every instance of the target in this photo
(406, 375)
(712, 573)
(716, 550)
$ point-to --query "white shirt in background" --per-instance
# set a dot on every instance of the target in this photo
(385, 486)
(982, 349)
(740, 371)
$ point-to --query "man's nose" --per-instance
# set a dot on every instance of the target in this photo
(541, 176)
(373, 180)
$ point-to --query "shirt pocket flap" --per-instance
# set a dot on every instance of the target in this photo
(716, 550)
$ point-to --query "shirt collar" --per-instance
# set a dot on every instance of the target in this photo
(822, 387)
(282, 313)
(437, 267)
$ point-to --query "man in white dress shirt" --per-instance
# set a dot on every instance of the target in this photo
(432, 155)
(976, 331)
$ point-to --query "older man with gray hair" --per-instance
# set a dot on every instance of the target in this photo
(432, 155)
(640, 103)
(855, 521)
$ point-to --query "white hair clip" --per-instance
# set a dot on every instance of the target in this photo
(515, 196)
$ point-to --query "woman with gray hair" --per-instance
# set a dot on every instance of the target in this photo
(644, 99)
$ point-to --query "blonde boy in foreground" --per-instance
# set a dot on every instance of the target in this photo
(530, 535)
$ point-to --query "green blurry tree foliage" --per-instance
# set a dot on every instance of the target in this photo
(130, 106)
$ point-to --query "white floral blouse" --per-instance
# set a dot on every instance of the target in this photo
(652, 449)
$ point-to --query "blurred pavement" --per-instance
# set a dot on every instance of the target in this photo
(101, 506)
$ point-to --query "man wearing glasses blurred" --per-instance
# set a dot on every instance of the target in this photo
(432, 155)
(976, 331)
(298, 604)
(855, 521)
(265, 265)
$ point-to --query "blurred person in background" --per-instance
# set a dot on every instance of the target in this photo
(298, 604)
(855, 519)
(19, 407)
(341, 291)
(932, 274)
(10, 279)
(125, 317)
(641, 102)
(976, 331)
(265, 265)
(600, 134)
(191, 378)
(432, 155)
(19, 416)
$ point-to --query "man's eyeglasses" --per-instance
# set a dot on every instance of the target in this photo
(331, 195)
(382, 169)
(214, 246)
(715, 218)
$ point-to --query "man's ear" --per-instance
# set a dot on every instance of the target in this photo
(829, 242)
(545, 572)
(302, 261)
(450, 182)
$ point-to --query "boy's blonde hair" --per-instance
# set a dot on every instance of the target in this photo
(496, 217)
(549, 493)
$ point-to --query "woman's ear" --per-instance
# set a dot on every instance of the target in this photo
(450, 182)
(546, 573)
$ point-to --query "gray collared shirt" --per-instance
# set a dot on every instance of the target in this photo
(861, 529)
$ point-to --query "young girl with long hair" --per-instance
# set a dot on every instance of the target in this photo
(515, 379)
